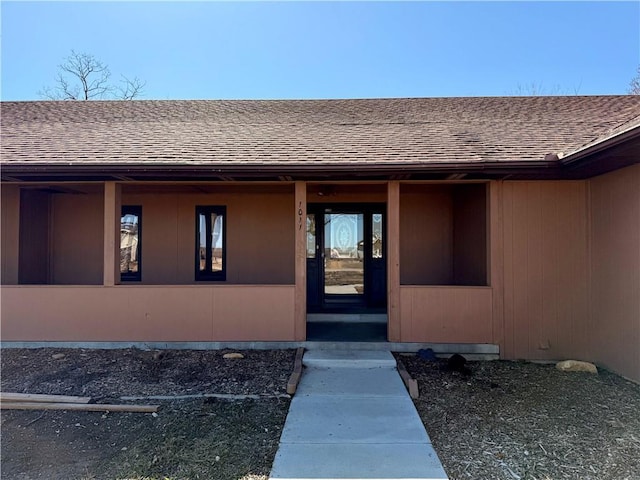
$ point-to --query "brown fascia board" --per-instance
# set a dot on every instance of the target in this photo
(295, 171)
(591, 159)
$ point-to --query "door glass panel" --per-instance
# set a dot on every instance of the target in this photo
(311, 235)
(377, 236)
(344, 253)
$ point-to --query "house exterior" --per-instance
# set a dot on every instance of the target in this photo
(512, 222)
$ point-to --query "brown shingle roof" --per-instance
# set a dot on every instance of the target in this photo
(418, 131)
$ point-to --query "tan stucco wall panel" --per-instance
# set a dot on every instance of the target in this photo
(545, 269)
(260, 240)
(77, 239)
(426, 235)
(10, 233)
(615, 270)
(446, 314)
(263, 313)
(147, 313)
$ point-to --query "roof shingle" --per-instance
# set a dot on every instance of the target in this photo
(298, 132)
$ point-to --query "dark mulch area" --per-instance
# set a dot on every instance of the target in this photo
(519, 420)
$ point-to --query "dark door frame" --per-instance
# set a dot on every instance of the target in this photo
(374, 299)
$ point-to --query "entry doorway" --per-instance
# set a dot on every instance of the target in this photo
(346, 259)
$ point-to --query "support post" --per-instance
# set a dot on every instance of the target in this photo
(495, 241)
(393, 259)
(112, 211)
(300, 308)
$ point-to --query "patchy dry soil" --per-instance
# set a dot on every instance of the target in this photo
(517, 420)
(201, 438)
(506, 420)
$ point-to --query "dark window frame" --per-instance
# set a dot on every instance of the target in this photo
(137, 211)
(210, 274)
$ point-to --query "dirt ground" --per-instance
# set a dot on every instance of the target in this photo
(501, 420)
(198, 438)
(518, 420)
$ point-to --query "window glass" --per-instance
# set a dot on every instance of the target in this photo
(311, 235)
(210, 243)
(377, 235)
(130, 235)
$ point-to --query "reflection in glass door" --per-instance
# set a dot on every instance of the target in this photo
(344, 253)
(346, 260)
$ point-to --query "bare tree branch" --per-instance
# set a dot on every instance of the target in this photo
(84, 77)
(634, 85)
(131, 88)
(538, 89)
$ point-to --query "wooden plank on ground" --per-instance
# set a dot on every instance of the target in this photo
(410, 383)
(294, 379)
(36, 397)
(84, 407)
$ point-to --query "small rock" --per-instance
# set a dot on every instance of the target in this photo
(576, 366)
(159, 355)
(154, 415)
(233, 355)
(427, 354)
(58, 356)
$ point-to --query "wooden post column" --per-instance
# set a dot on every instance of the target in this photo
(300, 309)
(112, 211)
(495, 240)
(393, 259)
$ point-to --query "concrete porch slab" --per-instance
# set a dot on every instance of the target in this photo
(324, 419)
(349, 358)
(404, 461)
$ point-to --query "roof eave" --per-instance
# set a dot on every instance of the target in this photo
(121, 172)
(611, 153)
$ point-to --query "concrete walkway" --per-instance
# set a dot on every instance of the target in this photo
(352, 417)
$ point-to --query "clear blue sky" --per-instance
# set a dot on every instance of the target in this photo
(247, 50)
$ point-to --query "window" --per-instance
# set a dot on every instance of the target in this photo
(130, 240)
(210, 243)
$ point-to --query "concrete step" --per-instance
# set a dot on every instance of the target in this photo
(348, 317)
(351, 382)
(349, 359)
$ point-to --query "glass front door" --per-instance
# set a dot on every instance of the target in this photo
(343, 253)
(346, 265)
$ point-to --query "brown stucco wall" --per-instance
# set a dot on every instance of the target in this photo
(10, 233)
(77, 227)
(564, 268)
(615, 270)
(260, 240)
(443, 234)
(34, 250)
(426, 235)
(546, 273)
(470, 234)
(195, 313)
(446, 314)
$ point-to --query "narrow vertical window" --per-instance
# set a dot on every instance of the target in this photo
(210, 243)
(130, 243)
(311, 235)
(377, 234)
